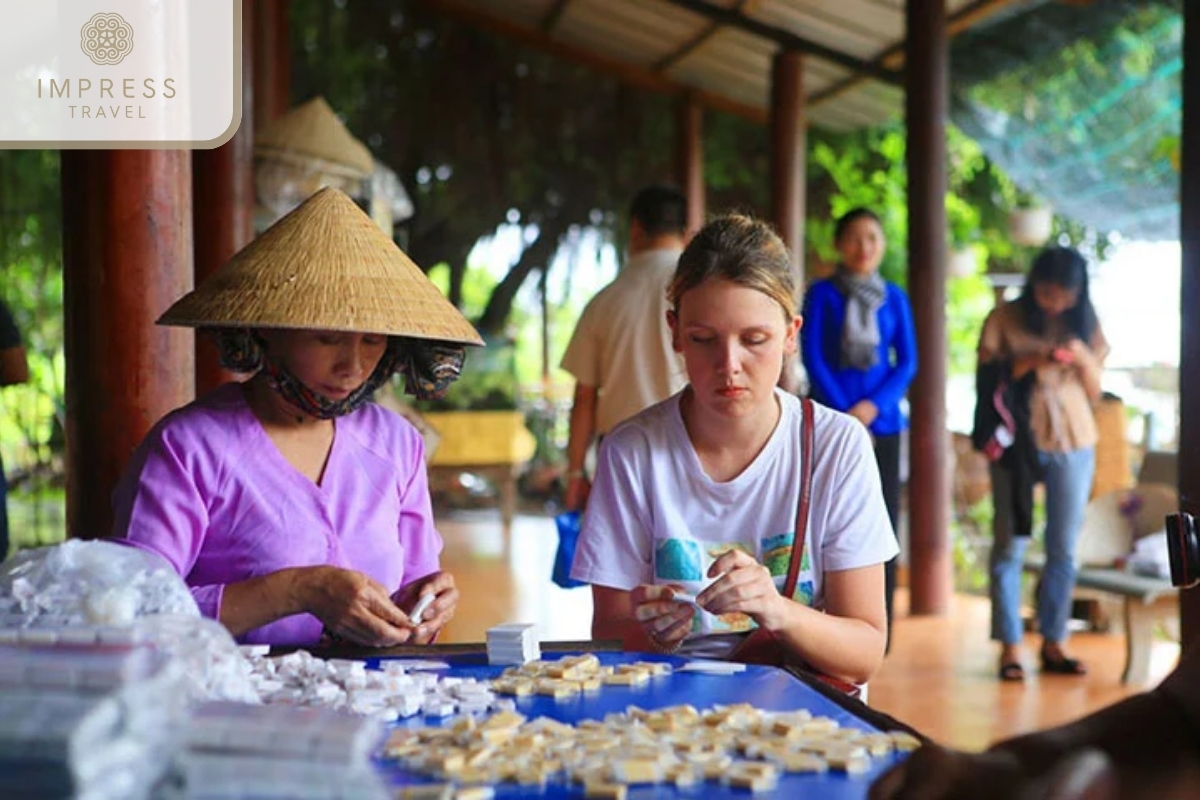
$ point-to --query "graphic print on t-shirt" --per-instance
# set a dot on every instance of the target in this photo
(686, 562)
(777, 557)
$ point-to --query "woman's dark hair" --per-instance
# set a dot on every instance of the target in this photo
(1067, 268)
(852, 216)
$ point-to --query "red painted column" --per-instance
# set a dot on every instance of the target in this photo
(272, 59)
(789, 155)
(789, 162)
(223, 203)
(1189, 296)
(127, 255)
(930, 552)
(689, 151)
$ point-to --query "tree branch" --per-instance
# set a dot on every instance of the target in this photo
(537, 255)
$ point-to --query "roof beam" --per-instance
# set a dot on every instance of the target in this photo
(893, 57)
(789, 40)
(697, 41)
(550, 21)
(628, 73)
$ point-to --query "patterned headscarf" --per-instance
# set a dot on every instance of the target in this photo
(428, 368)
(865, 295)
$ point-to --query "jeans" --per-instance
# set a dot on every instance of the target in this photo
(887, 456)
(1068, 480)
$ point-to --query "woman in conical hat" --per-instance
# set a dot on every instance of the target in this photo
(290, 504)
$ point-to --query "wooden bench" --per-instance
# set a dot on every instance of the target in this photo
(1147, 602)
(1111, 523)
(494, 444)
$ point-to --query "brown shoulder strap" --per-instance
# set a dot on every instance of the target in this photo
(806, 473)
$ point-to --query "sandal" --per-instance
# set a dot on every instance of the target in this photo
(1063, 666)
(1012, 672)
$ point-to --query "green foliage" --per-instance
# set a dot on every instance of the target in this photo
(31, 414)
(863, 168)
(476, 286)
(481, 388)
(737, 161)
(1090, 127)
(968, 301)
(1168, 148)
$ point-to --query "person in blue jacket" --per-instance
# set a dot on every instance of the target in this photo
(860, 350)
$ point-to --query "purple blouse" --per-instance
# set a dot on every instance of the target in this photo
(209, 491)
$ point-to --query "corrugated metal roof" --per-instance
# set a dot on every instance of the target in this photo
(724, 48)
(633, 31)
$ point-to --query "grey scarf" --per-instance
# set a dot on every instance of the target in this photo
(860, 331)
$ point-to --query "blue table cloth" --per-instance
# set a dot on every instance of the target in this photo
(763, 687)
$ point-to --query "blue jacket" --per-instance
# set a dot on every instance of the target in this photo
(886, 383)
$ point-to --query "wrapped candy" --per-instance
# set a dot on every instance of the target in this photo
(79, 583)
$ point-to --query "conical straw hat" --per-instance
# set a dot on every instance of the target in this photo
(313, 131)
(324, 266)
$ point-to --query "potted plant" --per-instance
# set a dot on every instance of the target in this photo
(1031, 222)
(962, 262)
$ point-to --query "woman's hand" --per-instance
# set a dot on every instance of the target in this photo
(352, 606)
(1079, 357)
(1078, 354)
(664, 621)
(864, 411)
(935, 773)
(441, 586)
(576, 497)
(1077, 349)
(743, 586)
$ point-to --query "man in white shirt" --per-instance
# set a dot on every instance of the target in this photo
(621, 354)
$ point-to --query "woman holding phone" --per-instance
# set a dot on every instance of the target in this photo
(1049, 335)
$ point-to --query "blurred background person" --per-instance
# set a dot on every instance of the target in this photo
(860, 351)
(620, 353)
(1049, 337)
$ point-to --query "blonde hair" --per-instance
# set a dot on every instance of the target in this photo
(742, 250)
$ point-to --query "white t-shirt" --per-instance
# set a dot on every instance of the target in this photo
(622, 343)
(654, 516)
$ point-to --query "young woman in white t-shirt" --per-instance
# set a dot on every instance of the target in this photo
(699, 493)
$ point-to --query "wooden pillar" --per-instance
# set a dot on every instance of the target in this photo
(788, 154)
(127, 255)
(930, 552)
(223, 203)
(689, 168)
(272, 60)
(1189, 296)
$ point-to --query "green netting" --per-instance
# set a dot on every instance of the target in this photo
(1081, 106)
